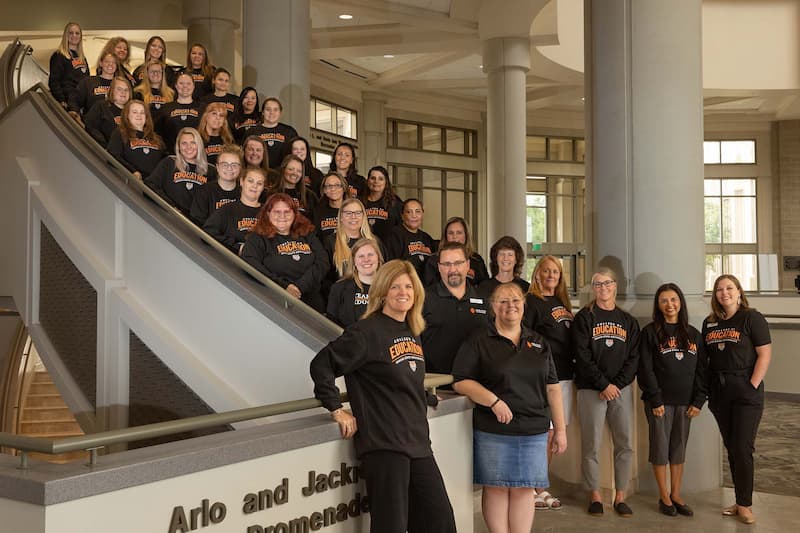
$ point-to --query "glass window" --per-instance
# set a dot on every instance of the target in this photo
(432, 221)
(455, 180)
(455, 204)
(324, 117)
(713, 220)
(407, 135)
(580, 150)
(737, 152)
(322, 160)
(345, 123)
(711, 152)
(455, 141)
(431, 138)
(432, 178)
(536, 211)
(406, 177)
(536, 147)
(739, 220)
(559, 149)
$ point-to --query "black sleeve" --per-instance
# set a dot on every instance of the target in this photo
(255, 249)
(217, 226)
(335, 302)
(700, 389)
(339, 357)
(481, 273)
(117, 148)
(394, 246)
(58, 74)
(430, 274)
(646, 376)
(157, 178)
(531, 317)
(584, 358)
(77, 98)
(198, 212)
(759, 329)
(467, 362)
(627, 373)
(311, 278)
(92, 122)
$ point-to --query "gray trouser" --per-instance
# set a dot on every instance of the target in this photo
(592, 414)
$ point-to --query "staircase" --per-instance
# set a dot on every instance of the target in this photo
(43, 413)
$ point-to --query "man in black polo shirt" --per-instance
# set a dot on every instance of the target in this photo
(453, 309)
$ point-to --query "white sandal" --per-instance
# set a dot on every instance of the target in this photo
(544, 500)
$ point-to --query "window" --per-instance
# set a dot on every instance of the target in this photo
(321, 160)
(445, 193)
(431, 138)
(332, 118)
(567, 149)
(729, 152)
(731, 230)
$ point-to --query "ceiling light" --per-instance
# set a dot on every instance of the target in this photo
(345, 16)
(388, 56)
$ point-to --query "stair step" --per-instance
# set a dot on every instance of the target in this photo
(40, 414)
(44, 400)
(62, 458)
(41, 377)
(55, 434)
(49, 428)
(43, 388)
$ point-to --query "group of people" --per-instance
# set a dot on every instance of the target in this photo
(349, 247)
(519, 360)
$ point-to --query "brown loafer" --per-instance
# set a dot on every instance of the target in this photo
(748, 518)
(733, 510)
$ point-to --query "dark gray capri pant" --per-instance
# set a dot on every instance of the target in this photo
(668, 434)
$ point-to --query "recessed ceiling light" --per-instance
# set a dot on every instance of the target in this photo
(388, 56)
(583, 99)
(345, 16)
(480, 66)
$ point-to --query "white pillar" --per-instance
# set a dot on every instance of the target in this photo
(506, 61)
(644, 113)
(373, 143)
(276, 55)
(213, 24)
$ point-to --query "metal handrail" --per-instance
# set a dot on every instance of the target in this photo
(96, 441)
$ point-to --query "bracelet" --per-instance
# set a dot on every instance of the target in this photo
(494, 403)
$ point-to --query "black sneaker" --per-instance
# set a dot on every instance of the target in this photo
(669, 510)
(683, 509)
(623, 510)
(596, 508)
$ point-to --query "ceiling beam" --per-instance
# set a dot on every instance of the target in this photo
(410, 69)
(413, 16)
(354, 45)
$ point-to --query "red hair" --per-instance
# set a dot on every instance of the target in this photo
(301, 226)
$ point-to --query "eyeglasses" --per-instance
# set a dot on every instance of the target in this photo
(352, 214)
(229, 166)
(606, 283)
(451, 264)
(334, 186)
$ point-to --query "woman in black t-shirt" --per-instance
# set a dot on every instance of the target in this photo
(246, 114)
(154, 90)
(104, 117)
(326, 214)
(68, 65)
(291, 182)
(673, 382)
(739, 349)
(548, 312)
(135, 143)
(506, 259)
(311, 175)
(199, 66)
(349, 296)
(383, 205)
(408, 240)
(214, 130)
(381, 359)
(343, 163)
(508, 371)
(283, 247)
(456, 229)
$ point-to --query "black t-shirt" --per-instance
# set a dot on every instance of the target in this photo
(231, 223)
(306, 208)
(347, 302)
(231, 102)
(415, 247)
(325, 219)
(202, 84)
(605, 348)
(208, 198)
(273, 139)
(448, 322)
(101, 121)
(730, 344)
(89, 91)
(172, 118)
(65, 74)
(242, 122)
(301, 261)
(138, 154)
(384, 370)
(214, 147)
(518, 375)
(670, 374)
(382, 219)
(178, 187)
(550, 319)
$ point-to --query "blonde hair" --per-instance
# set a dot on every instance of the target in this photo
(145, 88)
(342, 255)
(202, 161)
(560, 290)
(359, 244)
(602, 271)
(508, 286)
(380, 288)
(63, 48)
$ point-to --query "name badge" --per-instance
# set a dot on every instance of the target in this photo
(476, 300)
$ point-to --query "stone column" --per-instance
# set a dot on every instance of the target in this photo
(373, 143)
(506, 61)
(213, 24)
(644, 115)
(276, 55)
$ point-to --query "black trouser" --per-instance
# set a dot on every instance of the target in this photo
(738, 407)
(406, 493)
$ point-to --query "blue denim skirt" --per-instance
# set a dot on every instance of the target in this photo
(509, 460)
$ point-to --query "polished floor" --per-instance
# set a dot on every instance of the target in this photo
(774, 514)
